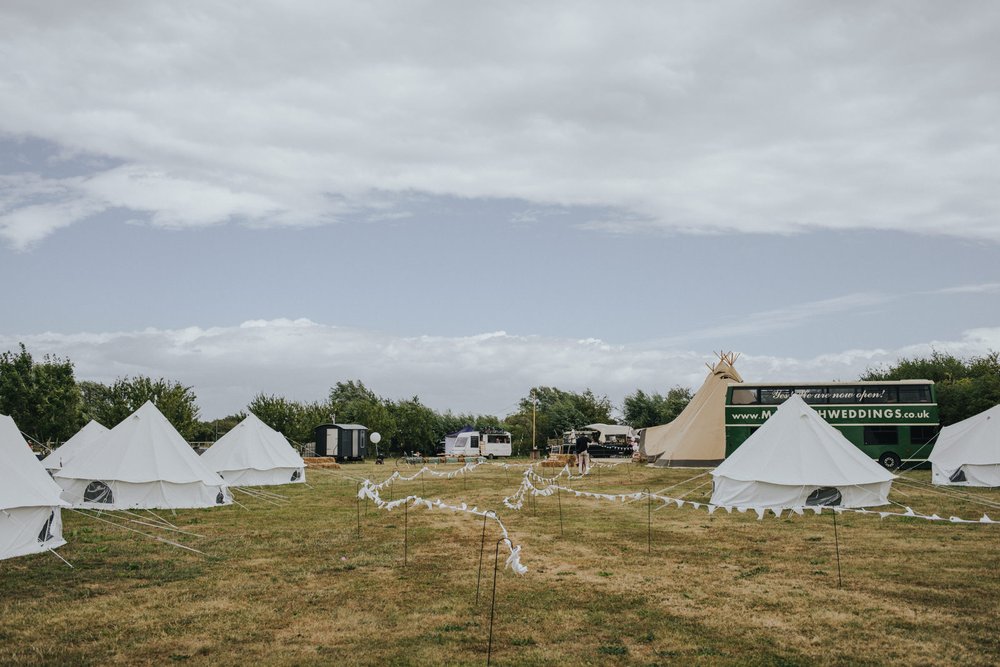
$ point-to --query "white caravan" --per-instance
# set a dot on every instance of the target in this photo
(491, 443)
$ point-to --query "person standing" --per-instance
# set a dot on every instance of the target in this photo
(583, 454)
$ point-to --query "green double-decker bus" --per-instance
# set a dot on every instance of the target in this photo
(893, 422)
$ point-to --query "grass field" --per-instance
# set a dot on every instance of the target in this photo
(294, 584)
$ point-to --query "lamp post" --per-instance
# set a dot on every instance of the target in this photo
(534, 441)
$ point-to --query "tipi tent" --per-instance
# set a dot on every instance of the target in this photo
(143, 462)
(30, 520)
(697, 437)
(72, 447)
(254, 454)
(968, 453)
(796, 459)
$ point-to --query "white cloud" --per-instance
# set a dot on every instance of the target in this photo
(485, 373)
(693, 117)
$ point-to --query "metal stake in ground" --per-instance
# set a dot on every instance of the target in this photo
(357, 499)
(482, 546)
(493, 602)
(836, 540)
(649, 520)
(559, 498)
(405, 532)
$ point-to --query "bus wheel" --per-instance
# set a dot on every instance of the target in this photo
(889, 460)
(489, 456)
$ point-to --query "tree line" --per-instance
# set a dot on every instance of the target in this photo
(49, 405)
(965, 387)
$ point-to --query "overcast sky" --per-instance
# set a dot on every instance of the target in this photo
(462, 200)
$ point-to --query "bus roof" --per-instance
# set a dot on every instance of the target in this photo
(856, 383)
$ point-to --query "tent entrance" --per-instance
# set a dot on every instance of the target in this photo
(825, 496)
(958, 476)
(46, 533)
(98, 492)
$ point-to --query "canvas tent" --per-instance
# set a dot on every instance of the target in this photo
(797, 459)
(30, 519)
(254, 454)
(697, 437)
(72, 447)
(613, 431)
(968, 453)
(142, 463)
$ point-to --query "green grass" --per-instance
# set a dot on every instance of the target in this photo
(295, 584)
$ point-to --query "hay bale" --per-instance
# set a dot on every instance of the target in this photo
(320, 462)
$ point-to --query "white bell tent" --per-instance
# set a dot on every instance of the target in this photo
(254, 454)
(968, 453)
(72, 447)
(30, 519)
(796, 459)
(142, 463)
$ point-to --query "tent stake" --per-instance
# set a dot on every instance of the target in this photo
(649, 521)
(493, 602)
(836, 539)
(405, 532)
(482, 546)
(357, 501)
(559, 499)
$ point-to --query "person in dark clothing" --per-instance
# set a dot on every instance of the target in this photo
(583, 454)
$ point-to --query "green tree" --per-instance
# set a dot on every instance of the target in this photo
(296, 421)
(557, 411)
(42, 397)
(354, 403)
(277, 412)
(110, 404)
(212, 430)
(417, 426)
(310, 416)
(642, 410)
(965, 387)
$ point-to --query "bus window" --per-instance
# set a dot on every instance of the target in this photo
(920, 393)
(744, 397)
(877, 395)
(842, 395)
(881, 435)
(922, 435)
(813, 395)
(774, 396)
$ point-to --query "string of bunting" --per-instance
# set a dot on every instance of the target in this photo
(464, 470)
(515, 502)
(371, 491)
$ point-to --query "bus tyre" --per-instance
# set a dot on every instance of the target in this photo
(889, 460)
(489, 456)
